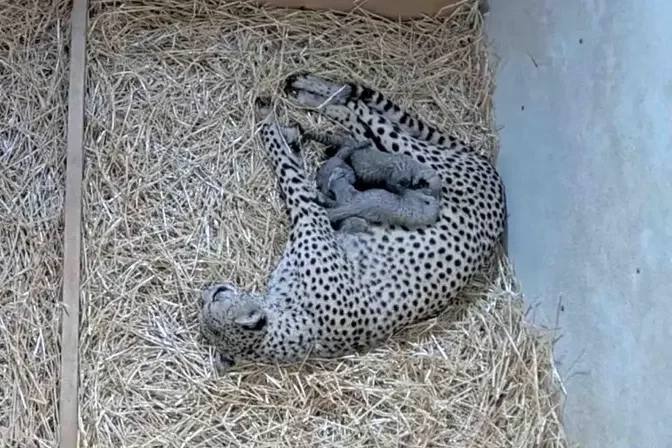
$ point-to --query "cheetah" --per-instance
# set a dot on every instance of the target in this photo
(335, 293)
(353, 209)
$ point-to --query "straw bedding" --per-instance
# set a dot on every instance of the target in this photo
(178, 194)
(33, 106)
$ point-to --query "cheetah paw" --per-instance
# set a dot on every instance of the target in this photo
(314, 91)
(224, 364)
(292, 132)
(263, 108)
(355, 225)
(327, 200)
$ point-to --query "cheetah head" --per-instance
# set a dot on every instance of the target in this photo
(332, 170)
(233, 320)
(429, 184)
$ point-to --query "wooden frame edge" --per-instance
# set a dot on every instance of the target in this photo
(72, 238)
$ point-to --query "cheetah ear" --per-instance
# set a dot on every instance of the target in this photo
(254, 320)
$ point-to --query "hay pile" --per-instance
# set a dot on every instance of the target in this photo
(178, 194)
(33, 108)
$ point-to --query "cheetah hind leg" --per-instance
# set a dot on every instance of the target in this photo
(315, 91)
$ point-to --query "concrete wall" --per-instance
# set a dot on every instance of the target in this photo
(584, 95)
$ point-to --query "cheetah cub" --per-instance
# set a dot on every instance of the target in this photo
(409, 197)
(395, 172)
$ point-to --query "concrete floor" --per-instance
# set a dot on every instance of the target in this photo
(584, 96)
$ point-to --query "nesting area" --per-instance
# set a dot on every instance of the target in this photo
(178, 194)
(33, 109)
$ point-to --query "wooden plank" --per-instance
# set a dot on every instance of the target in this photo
(69, 403)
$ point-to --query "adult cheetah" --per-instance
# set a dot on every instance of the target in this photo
(336, 293)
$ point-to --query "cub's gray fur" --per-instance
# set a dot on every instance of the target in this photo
(396, 204)
(396, 172)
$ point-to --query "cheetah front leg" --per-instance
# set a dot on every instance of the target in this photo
(313, 259)
(309, 222)
(281, 143)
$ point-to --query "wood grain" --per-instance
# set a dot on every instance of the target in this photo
(69, 380)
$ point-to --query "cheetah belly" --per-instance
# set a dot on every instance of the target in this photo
(406, 284)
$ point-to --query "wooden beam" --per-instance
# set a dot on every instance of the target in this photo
(69, 403)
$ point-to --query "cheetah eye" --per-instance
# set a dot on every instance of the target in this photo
(422, 183)
(221, 289)
(258, 325)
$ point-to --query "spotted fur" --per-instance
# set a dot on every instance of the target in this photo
(336, 293)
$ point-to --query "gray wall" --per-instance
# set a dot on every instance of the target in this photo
(584, 96)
